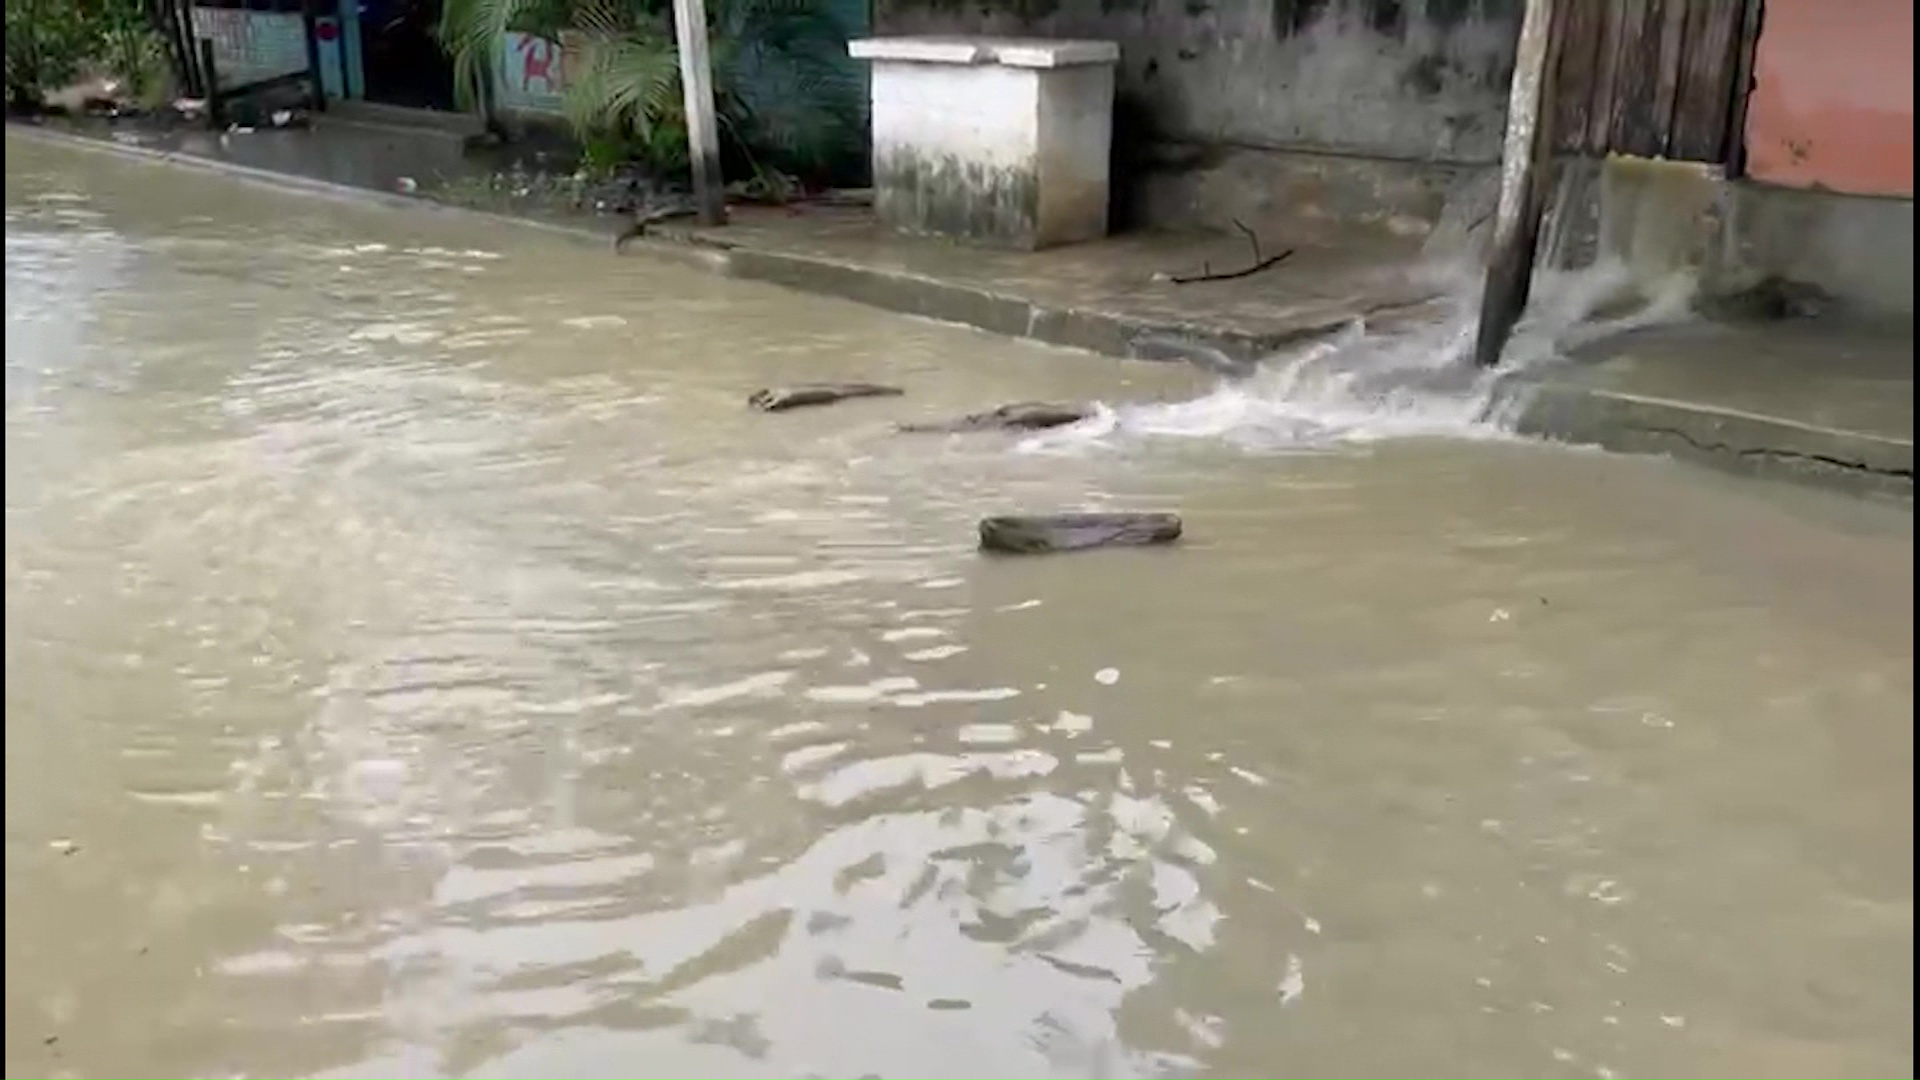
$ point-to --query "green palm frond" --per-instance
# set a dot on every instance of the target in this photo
(783, 93)
(796, 116)
(474, 32)
(623, 82)
(51, 42)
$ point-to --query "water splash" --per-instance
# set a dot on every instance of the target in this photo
(1408, 379)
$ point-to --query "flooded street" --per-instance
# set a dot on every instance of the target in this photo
(420, 662)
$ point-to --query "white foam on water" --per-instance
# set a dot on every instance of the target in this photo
(1363, 384)
(1294, 982)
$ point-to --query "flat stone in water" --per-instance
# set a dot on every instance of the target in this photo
(1039, 534)
(1019, 416)
(780, 399)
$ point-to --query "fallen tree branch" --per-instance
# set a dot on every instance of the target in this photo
(1206, 272)
(638, 227)
(1253, 238)
(1229, 275)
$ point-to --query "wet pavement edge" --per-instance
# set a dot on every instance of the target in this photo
(1555, 403)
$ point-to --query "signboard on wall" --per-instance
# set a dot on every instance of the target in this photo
(532, 74)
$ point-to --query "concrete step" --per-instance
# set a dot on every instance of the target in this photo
(429, 122)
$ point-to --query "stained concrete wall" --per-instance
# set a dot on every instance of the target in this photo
(1408, 79)
(1659, 219)
(1832, 102)
(1076, 139)
(1829, 141)
(959, 171)
(1304, 117)
(1858, 250)
(1828, 197)
(1022, 164)
(1285, 112)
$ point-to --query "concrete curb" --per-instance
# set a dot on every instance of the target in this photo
(1011, 316)
(1730, 440)
(907, 294)
(350, 193)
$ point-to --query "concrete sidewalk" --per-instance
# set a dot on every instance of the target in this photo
(1805, 400)
(1114, 297)
(1826, 402)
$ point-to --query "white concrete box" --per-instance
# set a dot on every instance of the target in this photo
(997, 140)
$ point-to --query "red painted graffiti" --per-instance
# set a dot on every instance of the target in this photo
(543, 60)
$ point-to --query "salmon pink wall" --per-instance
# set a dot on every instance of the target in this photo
(1832, 103)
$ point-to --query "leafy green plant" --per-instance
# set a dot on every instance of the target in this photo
(784, 100)
(132, 50)
(47, 41)
(604, 151)
(50, 43)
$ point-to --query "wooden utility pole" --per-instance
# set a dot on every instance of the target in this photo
(190, 49)
(1523, 165)
(703, 127)
(308, 14)
(216, 109)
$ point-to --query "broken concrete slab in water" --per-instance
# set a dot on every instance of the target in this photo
(807, 395)
(1019, 416)
(1041, 534)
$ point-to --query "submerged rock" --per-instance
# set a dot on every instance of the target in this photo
(779, 399)
(1199, 354)
(1020, 416)
(1039, 534)
(1770, 299)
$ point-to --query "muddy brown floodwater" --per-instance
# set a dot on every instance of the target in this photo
(420, 662)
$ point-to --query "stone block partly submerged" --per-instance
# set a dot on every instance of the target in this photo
(995, 140)
(1040, 534)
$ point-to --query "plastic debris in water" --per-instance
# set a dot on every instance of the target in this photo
(1294, 982)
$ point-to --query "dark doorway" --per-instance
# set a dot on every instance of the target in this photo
(402, 59)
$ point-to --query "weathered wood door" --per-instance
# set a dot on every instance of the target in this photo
(1653, 78)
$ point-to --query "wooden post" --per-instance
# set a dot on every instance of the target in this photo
(182, 62)
(703, 128)
(489, 113)
(1747, 41)
(216, 112)
(308, 20)
(190, 49)
(1523, 164)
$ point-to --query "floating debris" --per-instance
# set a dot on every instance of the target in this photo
(1019, 416)
(780, 399)
(1043, 533)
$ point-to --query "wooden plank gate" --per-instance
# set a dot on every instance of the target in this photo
(1654, 78)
